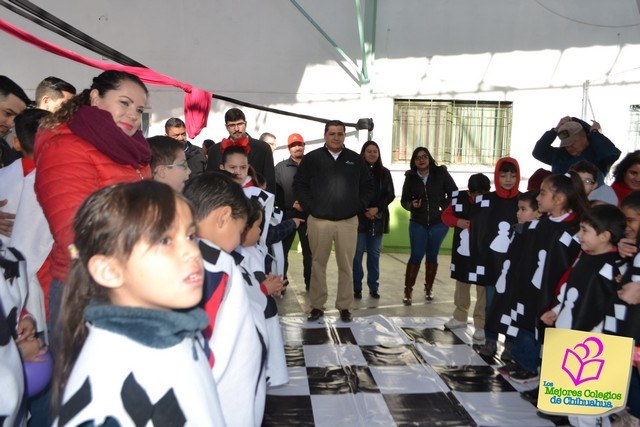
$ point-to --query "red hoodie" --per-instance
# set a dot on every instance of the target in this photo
(506, 194)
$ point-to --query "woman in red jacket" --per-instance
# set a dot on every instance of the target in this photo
(93, 141)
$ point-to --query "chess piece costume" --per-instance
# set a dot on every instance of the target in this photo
(235, 338)
(588, 292)
(532, 278)
(141, 367)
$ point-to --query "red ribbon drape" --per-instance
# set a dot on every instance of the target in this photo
(197, 102)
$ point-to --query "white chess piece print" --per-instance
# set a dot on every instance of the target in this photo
(501, 284)
(536, 280)
(565, 317)
(463, 248)
(501, 242)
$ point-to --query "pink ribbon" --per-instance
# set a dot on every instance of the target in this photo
(197, 102)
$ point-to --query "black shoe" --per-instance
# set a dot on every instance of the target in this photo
(374, 295)
(530, 396)
(345, 315)
(357, 295)
(306, 286)
(315, 314)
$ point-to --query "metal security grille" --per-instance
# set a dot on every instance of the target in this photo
(456, 132)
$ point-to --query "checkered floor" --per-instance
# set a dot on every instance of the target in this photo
(387, 371)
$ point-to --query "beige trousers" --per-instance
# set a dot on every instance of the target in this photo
(462, 301)
(322, 233)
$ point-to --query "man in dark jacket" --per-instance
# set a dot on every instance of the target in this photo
(578, 141)
(333, 185)
(259, 153)
(196, 159)
(285, 199)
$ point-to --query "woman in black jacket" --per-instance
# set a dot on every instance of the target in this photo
(373, 222)
(426, 193)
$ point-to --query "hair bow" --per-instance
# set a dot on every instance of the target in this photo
(240, 142)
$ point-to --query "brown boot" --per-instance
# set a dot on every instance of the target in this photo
(409, 281)
(429, 277)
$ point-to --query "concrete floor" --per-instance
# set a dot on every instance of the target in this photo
(392, 268)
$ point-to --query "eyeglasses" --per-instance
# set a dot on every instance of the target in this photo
(184, 165)
(588, 181)
(422, 157)
(235, 125)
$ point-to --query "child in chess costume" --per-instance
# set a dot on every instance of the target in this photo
(262, 287)
(457, 215)
(131, 350)
(506, 284)
(589, 288)
(236, 336)
(169, 162)
(540, 253)
(494, 213)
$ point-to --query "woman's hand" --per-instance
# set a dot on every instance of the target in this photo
(416, 203)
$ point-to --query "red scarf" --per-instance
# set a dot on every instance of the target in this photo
(97, 127)
(621, 189)
(240, 142)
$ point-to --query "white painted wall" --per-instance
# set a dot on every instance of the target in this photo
(535, 53)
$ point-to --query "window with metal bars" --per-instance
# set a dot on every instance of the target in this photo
(634, 127)
(455, 132)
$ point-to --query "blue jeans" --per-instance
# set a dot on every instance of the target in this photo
(372, 245)
(426, 240)
(526, 350)
(489, 294)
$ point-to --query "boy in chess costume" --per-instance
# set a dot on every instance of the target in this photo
(457, 215)
(540, 253)
(493, 213)
(236, 337)
(590, 284)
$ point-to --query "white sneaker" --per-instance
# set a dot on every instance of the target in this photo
(478, 335)
(454, 324)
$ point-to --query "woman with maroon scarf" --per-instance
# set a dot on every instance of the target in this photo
(93, 141)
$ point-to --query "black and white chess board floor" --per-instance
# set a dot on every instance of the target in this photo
(392, 371)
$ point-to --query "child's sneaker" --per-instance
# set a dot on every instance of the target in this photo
(453, 323)
(489, 348)
(509, 368)
(522, 376)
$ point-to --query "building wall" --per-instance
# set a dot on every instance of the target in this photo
(536, 54)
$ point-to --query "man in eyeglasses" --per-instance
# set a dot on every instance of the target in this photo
(258, 152)
(578, 141)
(196, 159)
